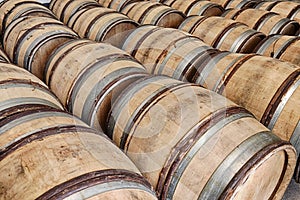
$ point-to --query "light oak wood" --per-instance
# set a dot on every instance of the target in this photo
(102, 24)
(29, 41)
(117, 5)
(284, 8)
(190, 143)
(195, 7)
(65, 9)
(154, 13)
(3, 56)
(283, 47)
(19, 88)
(14, 9)
(48, 154)
(88, 76)
(167, 51)
(264, 21)
(241, 4)
(223, 34)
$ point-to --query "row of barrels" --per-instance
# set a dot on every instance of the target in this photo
(47, 153)
(170, 129)
(87, 19)
(288, 9)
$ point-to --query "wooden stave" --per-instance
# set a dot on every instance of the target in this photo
(241, 4)
(96, 82)
(85, 137)
(25, 9)
(231, 36)
(280, 47)
(66, 9)
(264, 23)
(27, 52)
(117, 5)
(103, 24)
(153, 13)
(145, 44)
(115, 114)
(21, 88)
(3, 56)
(209, 9)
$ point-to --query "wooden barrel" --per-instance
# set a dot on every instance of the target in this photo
(167, 51)
(65, 9)
(89, 89)
(77, 159)
(3, 56)
(191, 143)
(267, 87)
(102, 24)
(154, 13)
(31, 48)
(241, 4)
(117, 5)
(220, 2)
(266, 5)
(283, 47)
(18, 88)
(264, 21)
(284, 8)
(15, 9)
(195, 7)
(224, 34)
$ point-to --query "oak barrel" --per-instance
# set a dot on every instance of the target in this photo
(195, 7)
(14, 9)
(18, 87)
(29, 41)
(65, 9)
(117, 5)
(102, 24)
(264, 21)
(191, 143)
(224, 34)
(167, 51)
(154, 13)
(3, 56)
(241, 4)
(285, 8)
(267, 87)
(283, 47)
(87, 77)
(49, 154)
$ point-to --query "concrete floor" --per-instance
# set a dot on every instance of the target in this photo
(293, 191)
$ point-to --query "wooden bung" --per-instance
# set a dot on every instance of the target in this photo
(154, 13)
(264, 21)
(192, 143)
(65, 9)
(195, 7)
(49, 154)
(18, 87)
(87, 77)
(102, 24)
(283, 47)
(167, 51)
(29, 41)
(223, 34)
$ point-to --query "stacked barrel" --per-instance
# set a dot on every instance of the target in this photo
(153, 91)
